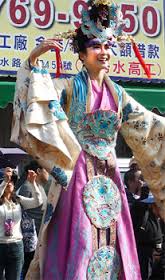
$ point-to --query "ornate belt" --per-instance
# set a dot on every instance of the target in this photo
(102, 204)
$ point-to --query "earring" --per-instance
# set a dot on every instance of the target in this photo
(78, 65)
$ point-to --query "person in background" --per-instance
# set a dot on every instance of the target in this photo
(26, 190)
(148, 234)
(135, 186)
(133, 164)
(11, 245)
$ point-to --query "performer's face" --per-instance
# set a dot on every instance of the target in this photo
(97, 55)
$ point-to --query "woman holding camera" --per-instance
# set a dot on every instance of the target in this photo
(11, 205)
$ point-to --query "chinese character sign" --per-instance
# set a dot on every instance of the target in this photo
(24, 24)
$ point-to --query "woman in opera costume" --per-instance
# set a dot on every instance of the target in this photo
(70, 126)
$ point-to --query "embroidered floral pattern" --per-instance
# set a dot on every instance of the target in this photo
(102, 201)
(60, 176)
(105, 264)
(102, 124)
(40, 70)
(63, 99)
(126, 111)
(57, 110)
(29, 232)
(119, 92)
(49, 213)
(97, 131)
(75, 115)
(140, 124)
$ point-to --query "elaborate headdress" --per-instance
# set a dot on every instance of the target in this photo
(102, 19)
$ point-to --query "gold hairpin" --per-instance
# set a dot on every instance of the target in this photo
(66, 35)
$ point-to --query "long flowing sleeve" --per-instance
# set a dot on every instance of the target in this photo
(144, 132)
(40, 126)
(34, 201)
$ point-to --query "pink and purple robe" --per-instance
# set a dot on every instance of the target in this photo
(87, 230)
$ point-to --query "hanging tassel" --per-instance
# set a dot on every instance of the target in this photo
(141, 60)
(58, 63)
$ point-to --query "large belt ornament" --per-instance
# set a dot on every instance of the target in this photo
(104, 265)
(102, 201)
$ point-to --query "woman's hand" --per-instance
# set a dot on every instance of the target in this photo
(8, 173)
(42, 48)
(31, 177)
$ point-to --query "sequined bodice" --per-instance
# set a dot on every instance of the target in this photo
(97, 131)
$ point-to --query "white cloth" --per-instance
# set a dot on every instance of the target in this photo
(12, 210)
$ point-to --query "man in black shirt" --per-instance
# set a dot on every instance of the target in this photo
(136, 188)
(148, 234)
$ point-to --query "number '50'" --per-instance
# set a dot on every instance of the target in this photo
(146, 19)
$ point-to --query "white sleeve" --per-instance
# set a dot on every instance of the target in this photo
(34, 201)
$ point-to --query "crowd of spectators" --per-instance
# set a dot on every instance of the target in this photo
(21, 211)
(149, 229)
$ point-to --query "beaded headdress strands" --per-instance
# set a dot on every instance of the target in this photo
(103, 19)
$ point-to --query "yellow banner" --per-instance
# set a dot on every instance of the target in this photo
(24, 24)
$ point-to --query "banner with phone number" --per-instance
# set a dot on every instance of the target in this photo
(24, 24)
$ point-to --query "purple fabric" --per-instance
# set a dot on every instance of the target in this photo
(69, 236)
(101, 98)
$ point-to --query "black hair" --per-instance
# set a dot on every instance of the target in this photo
(129, 176)
(14, 197)
(14, 177)
(79, 41)
(33, 165)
